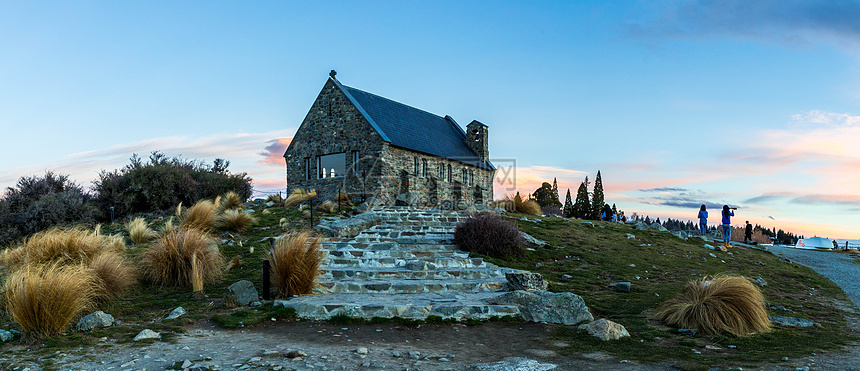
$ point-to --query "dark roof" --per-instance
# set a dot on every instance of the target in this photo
(412, 128)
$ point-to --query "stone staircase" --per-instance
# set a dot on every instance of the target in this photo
(408, 267)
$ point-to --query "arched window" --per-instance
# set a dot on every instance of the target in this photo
(416, 165)
(465, 176)
(424, 168)
(449, 173)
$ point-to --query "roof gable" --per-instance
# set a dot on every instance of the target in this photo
(411, 128)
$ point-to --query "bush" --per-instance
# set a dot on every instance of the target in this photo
(489, 234)
(200, 216)
(139, 231)
(38, 203)
(45, 299)
(164, 182)
(295, 263)
(726, 304)
(178, 256)
(235, 221)
(113, 273)
(65, 246)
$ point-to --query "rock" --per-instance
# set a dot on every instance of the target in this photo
(791, 321)
(658, 227)
(640, 225)
(531, 240)
(680, 234)
(414, 354)
(296, 354)
(349, 227)
(406, 199)
(419, 265)
(687, 331)
(242, 293)
(709, 247)
(623, 286)
(361, 350)
(780, 307)
(784, 359)
(566, 276)
(525, 281)
(631, 236)
(514, 363)
(186, 364)
(147, 334)
(176, 313)
(760, 281)
(255, 304)
(93, 320)
(605, 330)
(543, 306)
(6, 336)
(269, 204)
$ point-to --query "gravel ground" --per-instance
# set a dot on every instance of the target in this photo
(839, 268)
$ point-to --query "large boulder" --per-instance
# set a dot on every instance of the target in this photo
(526, 281)
(242, 293)
(658, 227)
(349, 227)
(147, 334)
(543, 306)
(94, 320)
(531, 240)
(605, 330)
(640, 225)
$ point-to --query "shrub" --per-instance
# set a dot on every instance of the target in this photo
(164, 182)
(169, 262)
(726, 304)
(298, 196)
(65, 246)
(38, 203)
(235, 221)
(295, 263)
(201, 216)
(114, 274)
(44, 299)
(139, 231)
(489, 234)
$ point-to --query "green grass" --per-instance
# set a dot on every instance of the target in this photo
(599, 256)
(252, 316)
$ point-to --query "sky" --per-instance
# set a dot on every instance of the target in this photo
(677, 103)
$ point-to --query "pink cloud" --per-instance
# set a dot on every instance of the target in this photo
(273, 154)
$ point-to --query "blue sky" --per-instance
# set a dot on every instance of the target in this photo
(678, 103)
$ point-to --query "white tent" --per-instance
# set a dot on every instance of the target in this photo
(814, 243)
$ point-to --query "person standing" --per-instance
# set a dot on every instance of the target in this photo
(727, 224)
(703, 220)
(748, 232)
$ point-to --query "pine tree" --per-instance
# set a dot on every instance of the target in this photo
(614, 209)
(556, 201)
(581, 207)
(597, 197)
(568, 206)
(543, 195)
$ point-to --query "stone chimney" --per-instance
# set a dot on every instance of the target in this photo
(476, 135)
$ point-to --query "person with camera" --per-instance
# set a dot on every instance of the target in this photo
(727, 225)
(703, 220)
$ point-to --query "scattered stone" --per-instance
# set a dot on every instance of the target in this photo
(709, 247)
(543, 306)
(631, 237)
(605, 330)
(396, 354)
(186, 364)
(349, 227)
(623, 286)
(6, 336)
(712, 255)
(361, 350)
(296, 354)
(271, 353)
(176, 313)
(531, 240)
(792, 321)
(760, 281)
(658, 227)
(538, 265)
(94, 320)
(784, 359)
(732, 347)
(696, 351)
(242, 293)
(640, 225)
(566, 276)
(515, 363)
(147, 334)
(525, 281)
(711, 347)
(414, 354)
(632, 265)
(780, 307)
(687, 331)
(255, 304)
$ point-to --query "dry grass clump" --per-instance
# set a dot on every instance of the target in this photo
(177, 257)
(516, 204)
(168, 227)
(230, 201)
(295, 263)
(726, 304)
(139, 231)
(298, 195)
(328, 206)
(200, 216)
(530, 207)
(506, 203)
(63, 246)
(276, 199)
(235, 221)
(45, 299)
(114, 274)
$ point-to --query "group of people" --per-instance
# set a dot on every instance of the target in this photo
(727, 213)
(610, 216)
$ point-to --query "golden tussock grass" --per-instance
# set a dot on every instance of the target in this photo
(530, 207)
(139, 231)
(516, 204)
(170, 260)
(297, 196)
(168, 227)
(506, 203)
(45, 299)
(60, 246)
(344, 198)
(235, 221)
(200, 216)
(328, 206)
(233, 263)
(295, 262)
(230, 201)
(727, 304)
(114, 274)
(277, 199)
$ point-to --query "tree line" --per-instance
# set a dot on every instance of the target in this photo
(587, 205)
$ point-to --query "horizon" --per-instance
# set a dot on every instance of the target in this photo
(677, 104)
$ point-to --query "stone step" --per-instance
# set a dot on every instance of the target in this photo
(422, 264)
(404, 274)
(380, 246)
(335, 286)
(406, 240)
(402, 254)
(413, 306)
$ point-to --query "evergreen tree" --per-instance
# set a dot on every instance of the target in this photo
(597, 197)
(614, 209)
(647, 220)
(555, 192)
(581, 207)
(544, 196)
(568, 206)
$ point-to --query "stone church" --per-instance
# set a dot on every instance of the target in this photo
(364, 145)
